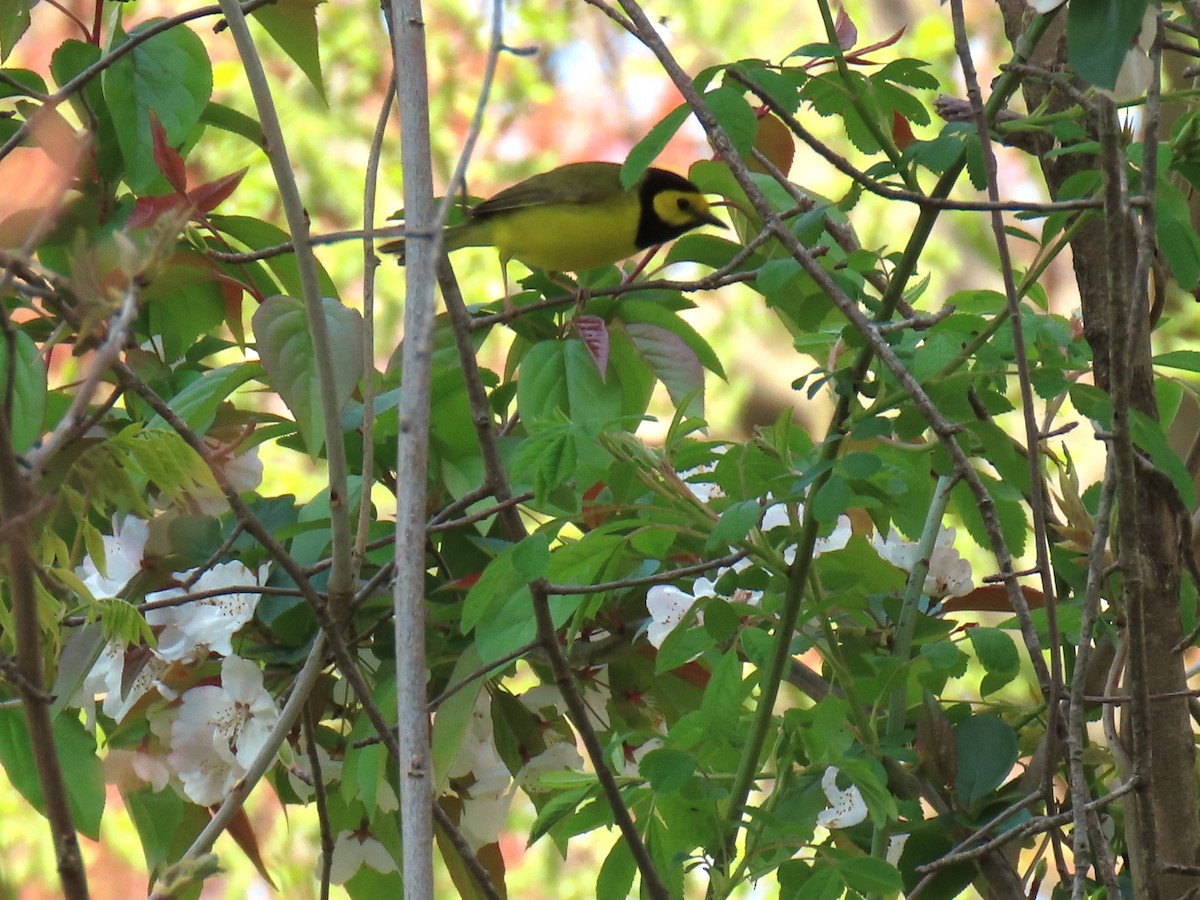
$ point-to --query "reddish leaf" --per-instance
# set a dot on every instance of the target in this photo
(594, 514)
(672, 361)
(879, 45)
(594, 332)
(232, 292)
(209, 196)
(845, 29)
(462, 584)
(243, 835)
(167, 158)
(148, 210)
(774, 141)
(993, 598)
(901, 131)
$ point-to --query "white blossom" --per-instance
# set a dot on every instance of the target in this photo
(243, 472)
(846, 808)
(1137, 71)
(218, 731)
(668, 606)
(123, 551)
(352, 851)
(486, 802)
(698, 483)
(777, 515)
(949, 574)
(192, 630)
(132, 769)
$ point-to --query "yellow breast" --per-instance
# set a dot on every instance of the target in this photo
(560, 237)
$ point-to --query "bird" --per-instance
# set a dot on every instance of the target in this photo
(578, 217)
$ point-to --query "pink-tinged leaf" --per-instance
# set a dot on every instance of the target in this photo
(167, 158)
(594, 332)
(845, 29)
(879, 45)
(673, 363)
(901, 131)
(209, 196)
(148, 210)
(241, 829)
(232, 292)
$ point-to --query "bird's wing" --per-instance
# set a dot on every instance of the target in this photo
(576, 183)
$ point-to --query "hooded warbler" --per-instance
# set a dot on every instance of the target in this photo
(578, 217)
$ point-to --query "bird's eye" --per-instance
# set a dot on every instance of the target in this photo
(684, 204)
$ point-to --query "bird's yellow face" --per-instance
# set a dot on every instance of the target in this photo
(684, 209)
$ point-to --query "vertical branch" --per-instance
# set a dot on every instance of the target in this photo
(370, 263)
(423, 248)
(1143, 834)
(1033, 440)
(309, 723)
(16, 505)
(289, 194)
(1076, 709)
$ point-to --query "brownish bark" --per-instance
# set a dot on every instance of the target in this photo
(1164, 828)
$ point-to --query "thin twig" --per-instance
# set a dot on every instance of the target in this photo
(1033, 457)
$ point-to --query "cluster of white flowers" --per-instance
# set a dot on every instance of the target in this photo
(488, 786)
(669, 605)
(949, 575)
(210, 733)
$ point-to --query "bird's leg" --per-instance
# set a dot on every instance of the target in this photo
(641, 265)
(509, 309)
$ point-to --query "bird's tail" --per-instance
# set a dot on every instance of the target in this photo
(468, 234)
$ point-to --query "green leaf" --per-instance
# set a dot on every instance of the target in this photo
(616, 873)
(184, 303)
(293, 26)
(70, 58)
(255, 234)
(168, 75)
(986, 748)
(547, 458)
(197, 403)
(285, 345)
(28, 390)
(735, 523)
(1176, 238)
(453, 719)
(1187, 360)
(721, 705)
(647, 150)
(235, 122)
(507, 574)
(76, 750)
(159, 819)
(1099, 33)
(559, 377)
(997, 653)
(831, 500)
(14, 20)
(667, 769)
(556, 810)
(1149, 436)
(734, 114)
(869, 875)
